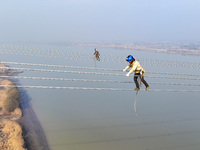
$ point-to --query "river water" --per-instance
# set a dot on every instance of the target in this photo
(88, 119)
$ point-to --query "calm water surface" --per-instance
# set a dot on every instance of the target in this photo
(105, 120)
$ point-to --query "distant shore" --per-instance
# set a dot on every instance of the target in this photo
(19, 126)
(170, 48)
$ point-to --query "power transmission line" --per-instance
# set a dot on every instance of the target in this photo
(87, 88)
(94, 73)
(89, 68)
(90, 80)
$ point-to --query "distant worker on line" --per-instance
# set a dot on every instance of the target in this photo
(136, 67)
(96, 53)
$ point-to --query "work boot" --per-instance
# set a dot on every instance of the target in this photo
(147, 88)
(137, 89)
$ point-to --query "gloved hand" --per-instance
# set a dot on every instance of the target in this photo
(127, 74)
(124, 70)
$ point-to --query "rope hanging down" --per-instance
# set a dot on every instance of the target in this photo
(87, 88)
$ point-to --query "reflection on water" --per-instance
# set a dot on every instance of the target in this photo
(96, 120)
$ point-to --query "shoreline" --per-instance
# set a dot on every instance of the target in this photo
(34, 136)
(30, 132)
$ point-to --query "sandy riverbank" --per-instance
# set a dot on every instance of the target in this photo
(10, 130)
(19, 127)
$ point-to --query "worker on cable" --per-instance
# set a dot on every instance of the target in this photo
(96, 53)
(136, 67)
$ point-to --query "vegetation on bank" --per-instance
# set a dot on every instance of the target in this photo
(10, 131)
(10, 135)
(9, 100)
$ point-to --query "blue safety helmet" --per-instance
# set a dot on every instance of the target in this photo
(130, 58)
(95, 49)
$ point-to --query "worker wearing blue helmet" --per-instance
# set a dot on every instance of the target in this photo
(96, 53)
(137, 68)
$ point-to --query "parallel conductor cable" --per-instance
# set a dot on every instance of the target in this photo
(64, 79)
(94, 73)
(87, 88)
(28, 49)
(89, 68)
(60, 66)
(81, 57)
(90, 80)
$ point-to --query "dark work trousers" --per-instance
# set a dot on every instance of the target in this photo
(135, 78)
(97, 57)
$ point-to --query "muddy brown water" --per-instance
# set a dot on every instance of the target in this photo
(92, 119)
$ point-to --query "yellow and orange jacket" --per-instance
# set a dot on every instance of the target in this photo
(136, 67)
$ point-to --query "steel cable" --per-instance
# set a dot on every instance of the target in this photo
(119, 60)
(94, 73)
(89, 68)
(90, 80)
(87, 88)
(72, 88)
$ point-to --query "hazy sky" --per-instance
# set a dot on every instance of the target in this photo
(99, 20)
